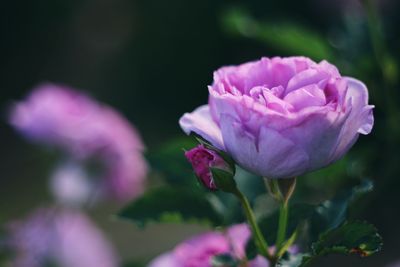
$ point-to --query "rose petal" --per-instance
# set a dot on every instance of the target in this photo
(329, 68)
(304, 78)
(325, 128)
(259, 261)
(245, 76)
(310, 95)
(164, 260)
(360, 120)
(200, 122)
(199, 250)
(238, 235)
(267, 97)
(269, 155)
(280, 71)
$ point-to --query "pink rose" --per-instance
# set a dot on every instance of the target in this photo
(62, 237)
(282, 117)
(202, 159)
(199, 250)
(62, 117)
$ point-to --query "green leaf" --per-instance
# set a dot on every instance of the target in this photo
(224, 260)
(291, 38)
(306, 260)
(171, 205)
(332, 213)
(358, 238)
(170, 161)
(224, 180)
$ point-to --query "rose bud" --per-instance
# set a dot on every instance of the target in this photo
(203, 160)
(282, 117)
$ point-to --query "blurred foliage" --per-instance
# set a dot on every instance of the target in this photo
(289, 37)
(153, 60)
(331, 213)
(171, 205)
(169, 159)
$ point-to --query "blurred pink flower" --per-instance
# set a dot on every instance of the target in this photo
(71, 185)
(199, 250)
(282, 117)
(62, 237)
(67, 119)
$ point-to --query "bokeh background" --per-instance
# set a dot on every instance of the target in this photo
(152, 60)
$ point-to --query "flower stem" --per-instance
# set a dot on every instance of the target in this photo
(282, 190)
(283, 221)
(287, 245)
(259, 239)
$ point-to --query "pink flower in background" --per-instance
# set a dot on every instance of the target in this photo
(202, 159)
(282, 117)
(62, 237)
(67, 119)
(199, 250)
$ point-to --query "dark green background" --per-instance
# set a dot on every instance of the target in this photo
(152, 60)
